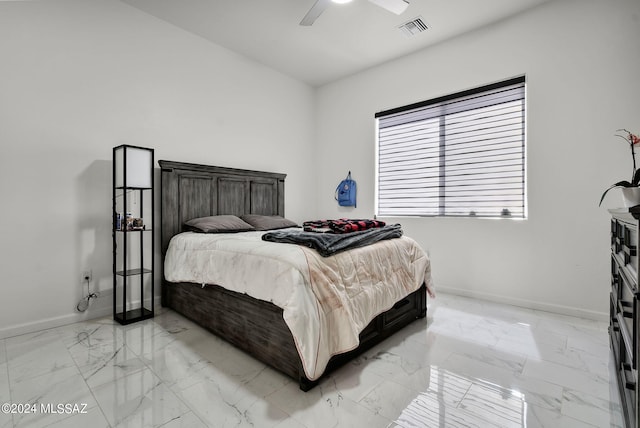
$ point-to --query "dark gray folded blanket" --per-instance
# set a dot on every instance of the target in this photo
(328, 244)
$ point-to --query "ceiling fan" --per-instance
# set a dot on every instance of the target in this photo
(395, 6)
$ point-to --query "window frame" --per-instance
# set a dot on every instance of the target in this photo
(437, 102)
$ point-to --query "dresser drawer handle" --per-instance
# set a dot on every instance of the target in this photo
(626, 368)
(630, 249)
(614, 324)
(626, 240)
(622, 305)
(622, 277)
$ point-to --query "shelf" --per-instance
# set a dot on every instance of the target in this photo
(133, 315)
(133, 272)
(133, 188)
(133, 249)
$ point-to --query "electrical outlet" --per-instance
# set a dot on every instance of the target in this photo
(87, 275)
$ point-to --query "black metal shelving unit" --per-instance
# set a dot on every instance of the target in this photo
(133, 246)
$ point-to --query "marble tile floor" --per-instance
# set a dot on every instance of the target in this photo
(471, 363)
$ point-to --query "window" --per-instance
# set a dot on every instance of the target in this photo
(457, 155)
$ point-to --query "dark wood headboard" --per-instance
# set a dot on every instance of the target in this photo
(191, 190)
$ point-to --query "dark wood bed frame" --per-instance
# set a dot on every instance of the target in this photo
(255, 326)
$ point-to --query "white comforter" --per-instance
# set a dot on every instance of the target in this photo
(326, 301)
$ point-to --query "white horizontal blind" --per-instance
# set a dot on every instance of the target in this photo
(460, 155)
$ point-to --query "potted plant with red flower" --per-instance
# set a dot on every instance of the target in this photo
(630, 189)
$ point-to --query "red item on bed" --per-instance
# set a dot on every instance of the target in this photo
(343, 225)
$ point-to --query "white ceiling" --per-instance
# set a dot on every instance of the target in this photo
(346, 38)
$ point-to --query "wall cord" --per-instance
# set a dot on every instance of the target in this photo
(83, 304)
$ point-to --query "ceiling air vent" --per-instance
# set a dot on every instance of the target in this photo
(413, 27)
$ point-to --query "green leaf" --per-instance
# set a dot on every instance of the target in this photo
(618, 184)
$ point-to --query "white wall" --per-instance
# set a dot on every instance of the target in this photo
(80, 77)
(582, 62)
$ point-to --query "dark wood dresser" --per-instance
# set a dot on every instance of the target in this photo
(624, 306)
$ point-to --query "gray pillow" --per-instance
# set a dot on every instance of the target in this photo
(268, 222)
(217, 224)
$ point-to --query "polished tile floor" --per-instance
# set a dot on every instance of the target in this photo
(471, 363)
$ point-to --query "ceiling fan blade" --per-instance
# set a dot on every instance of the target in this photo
(315, 11)
(395, 6)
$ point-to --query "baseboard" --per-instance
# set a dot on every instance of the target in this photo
(99, 308)
(102, 307)
(528, 304)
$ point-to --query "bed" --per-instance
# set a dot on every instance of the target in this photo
(254, 325)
